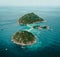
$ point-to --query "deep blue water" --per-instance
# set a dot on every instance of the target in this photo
(48, 41)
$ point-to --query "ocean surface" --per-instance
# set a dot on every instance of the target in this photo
(48, 41)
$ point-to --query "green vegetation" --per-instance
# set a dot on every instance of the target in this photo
(24, 37)
(30, 18)
(45, 27)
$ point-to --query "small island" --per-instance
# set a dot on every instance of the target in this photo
(30, 18)
(24, 38)
(41, 27)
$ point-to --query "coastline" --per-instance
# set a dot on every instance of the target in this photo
(31, 23)
(22, 44)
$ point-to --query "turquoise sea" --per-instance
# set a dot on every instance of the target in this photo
(48, 41)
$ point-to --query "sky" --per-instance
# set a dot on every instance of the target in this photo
(53, 3)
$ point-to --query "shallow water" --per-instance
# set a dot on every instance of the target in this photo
(48, 41)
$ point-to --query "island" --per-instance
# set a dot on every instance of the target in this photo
(24, 38)
(30, 18)
(41, 27)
